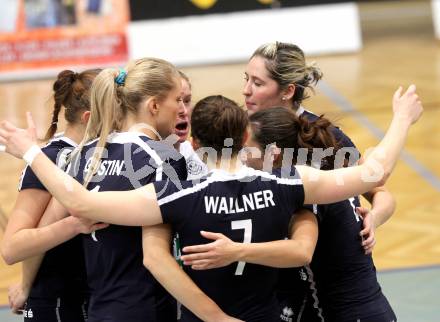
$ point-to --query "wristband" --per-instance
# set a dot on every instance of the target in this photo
(31, 154)
(2, 148)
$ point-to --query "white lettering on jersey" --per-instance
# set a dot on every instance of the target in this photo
(251, 201)
(107, 167)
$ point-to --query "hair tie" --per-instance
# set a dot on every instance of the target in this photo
(120, 79)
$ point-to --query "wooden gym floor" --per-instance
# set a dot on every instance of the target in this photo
(356, 93)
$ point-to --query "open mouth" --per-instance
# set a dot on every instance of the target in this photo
(182, 126)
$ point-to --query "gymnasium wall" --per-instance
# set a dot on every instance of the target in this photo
(40, 37)
(229, 36)
(436, 17)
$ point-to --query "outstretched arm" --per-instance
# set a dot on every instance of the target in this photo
(158, 260)
(330, 186)
(132, 208)
(294, 252)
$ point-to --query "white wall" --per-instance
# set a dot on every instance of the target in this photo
(219, 38)
(436, 16)
(222, 38)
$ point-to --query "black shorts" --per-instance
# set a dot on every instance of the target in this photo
(54, 310)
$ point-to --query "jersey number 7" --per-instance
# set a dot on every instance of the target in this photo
(247, 226)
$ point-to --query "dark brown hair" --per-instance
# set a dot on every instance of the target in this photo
(216, 118)
(284, 128)
(71, 90)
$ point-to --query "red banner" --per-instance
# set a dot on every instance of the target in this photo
(51, 34)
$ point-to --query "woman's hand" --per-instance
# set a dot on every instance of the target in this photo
(368, 231)
(408, 105)
(18, 141)
(221, 252)
(87, 226)
(17, 296)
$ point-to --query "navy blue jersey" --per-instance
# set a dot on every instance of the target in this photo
(249, 206)
(57, 151)
(345, 277)
(293, 292)
(122, 289)
(294, 283)
(62, 272)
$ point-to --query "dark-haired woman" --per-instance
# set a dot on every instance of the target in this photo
(277, 74)
(53, 285)
(243, 203)
(340, 285)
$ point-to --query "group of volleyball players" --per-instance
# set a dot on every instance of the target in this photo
(266, 230)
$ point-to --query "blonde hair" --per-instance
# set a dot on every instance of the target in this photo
(111, 102)
(185, 77)
(286, 65)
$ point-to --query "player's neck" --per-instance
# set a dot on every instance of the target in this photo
(133, 123)
(74, 132)
(232, 164)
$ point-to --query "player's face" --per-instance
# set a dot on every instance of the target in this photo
(182, 122)
(260, 91)
(169, 107)
(187, 96)
(254, 155)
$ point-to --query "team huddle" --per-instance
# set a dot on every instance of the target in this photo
(256, 217)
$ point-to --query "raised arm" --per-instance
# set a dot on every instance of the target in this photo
(294, 252)
(158, 260)
(330, 186)
(132, 208)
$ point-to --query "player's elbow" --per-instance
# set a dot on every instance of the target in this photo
(8, 254)
(306, 257)
(384, 178)
(375, 173)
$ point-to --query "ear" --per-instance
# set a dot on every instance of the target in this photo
(152, 105)
(289, 92)
(85, 117)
